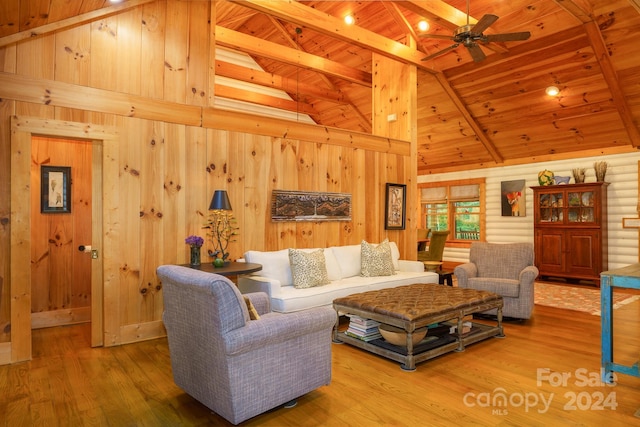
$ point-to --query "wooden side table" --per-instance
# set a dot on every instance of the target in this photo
(232, 269)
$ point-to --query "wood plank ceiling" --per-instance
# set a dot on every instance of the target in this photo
(471, 114)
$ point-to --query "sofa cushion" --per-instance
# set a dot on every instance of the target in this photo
(275, 265)
(349, 259)
(308, 269)
(376, 259)
(333, 267)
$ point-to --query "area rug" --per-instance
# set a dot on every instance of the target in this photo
(577, 298)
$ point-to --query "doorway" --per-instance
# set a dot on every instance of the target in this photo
(103, 141)
(61, 201)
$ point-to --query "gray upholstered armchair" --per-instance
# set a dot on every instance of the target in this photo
(235, 366)
(505, 269)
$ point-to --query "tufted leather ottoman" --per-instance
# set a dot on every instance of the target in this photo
(415, 306)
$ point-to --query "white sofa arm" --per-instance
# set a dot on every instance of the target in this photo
(249, 284)
(408, 265)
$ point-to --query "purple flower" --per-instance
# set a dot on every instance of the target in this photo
(194, 240)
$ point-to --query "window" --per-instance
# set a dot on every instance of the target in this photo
(457, 206)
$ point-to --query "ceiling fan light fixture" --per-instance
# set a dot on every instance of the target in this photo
(423, 25)
(552, 90)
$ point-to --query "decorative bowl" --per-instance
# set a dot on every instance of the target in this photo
(558, 180)
(397, 336)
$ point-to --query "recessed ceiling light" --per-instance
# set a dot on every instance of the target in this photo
(423, 25)
(348, 19)
(552, 91)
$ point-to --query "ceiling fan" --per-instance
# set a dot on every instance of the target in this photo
(470, 35)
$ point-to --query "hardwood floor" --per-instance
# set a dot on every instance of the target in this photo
(69, 384)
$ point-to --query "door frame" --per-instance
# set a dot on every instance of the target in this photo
(104, 142)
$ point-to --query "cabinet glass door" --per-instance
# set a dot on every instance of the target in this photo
(581, 206)
(551, 207)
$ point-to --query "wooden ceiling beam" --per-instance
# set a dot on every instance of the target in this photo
(636, 4)
(609, 74)
(576, 10)
(265, 100)
(323, 23)
(74, 21)
(291, 86)
(278, 52)
(444, 13)
(477, 129)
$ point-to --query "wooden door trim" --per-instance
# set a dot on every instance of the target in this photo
(105, 142)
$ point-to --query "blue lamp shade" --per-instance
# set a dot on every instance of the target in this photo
(220, 201)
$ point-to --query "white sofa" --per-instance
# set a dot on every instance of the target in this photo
(343, 270)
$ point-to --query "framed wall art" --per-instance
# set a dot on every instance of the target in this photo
(310, 206)
(513, 201)
(395, 207)
(55, 189)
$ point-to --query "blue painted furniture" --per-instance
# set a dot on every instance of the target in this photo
(626, 277)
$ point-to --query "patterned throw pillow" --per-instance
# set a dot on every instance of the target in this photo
(308, 269)
(376, 259)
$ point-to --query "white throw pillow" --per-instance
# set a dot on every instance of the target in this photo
(395, 255)
(349, 259)
(376, 259)
(275, 265)
(308, 269)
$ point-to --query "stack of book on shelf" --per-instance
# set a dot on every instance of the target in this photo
(363, 329)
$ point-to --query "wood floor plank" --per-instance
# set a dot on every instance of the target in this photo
(69, 383)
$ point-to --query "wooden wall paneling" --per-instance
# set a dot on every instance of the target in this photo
(130, 70)
(116, 175)
(257, 185)
(152, 50)
(217, 164)
(374, 189)
(82, 185)
(176, 51)
(122, 293)
(237, 153)
(97, 217)
(73, 55)
(359, 198)
(284, 160)
(153, 201)
(307, 181)
(198, 62)
(197, 198)
(174, 217)
(9, 18)
(347, 185)
(20, 276)
(104, 53)
(328, 178)
(6, 109)
(8, 61)
(40, 254)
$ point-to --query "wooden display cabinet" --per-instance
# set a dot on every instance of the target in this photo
(570, 226)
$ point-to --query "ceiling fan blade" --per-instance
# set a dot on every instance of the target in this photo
(484, 23)
(433, 55)
(476, 53)
(506, 37)
(436, 36)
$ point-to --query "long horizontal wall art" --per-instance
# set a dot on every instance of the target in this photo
(310, 206)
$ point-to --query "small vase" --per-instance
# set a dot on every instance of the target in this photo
(195, 255)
